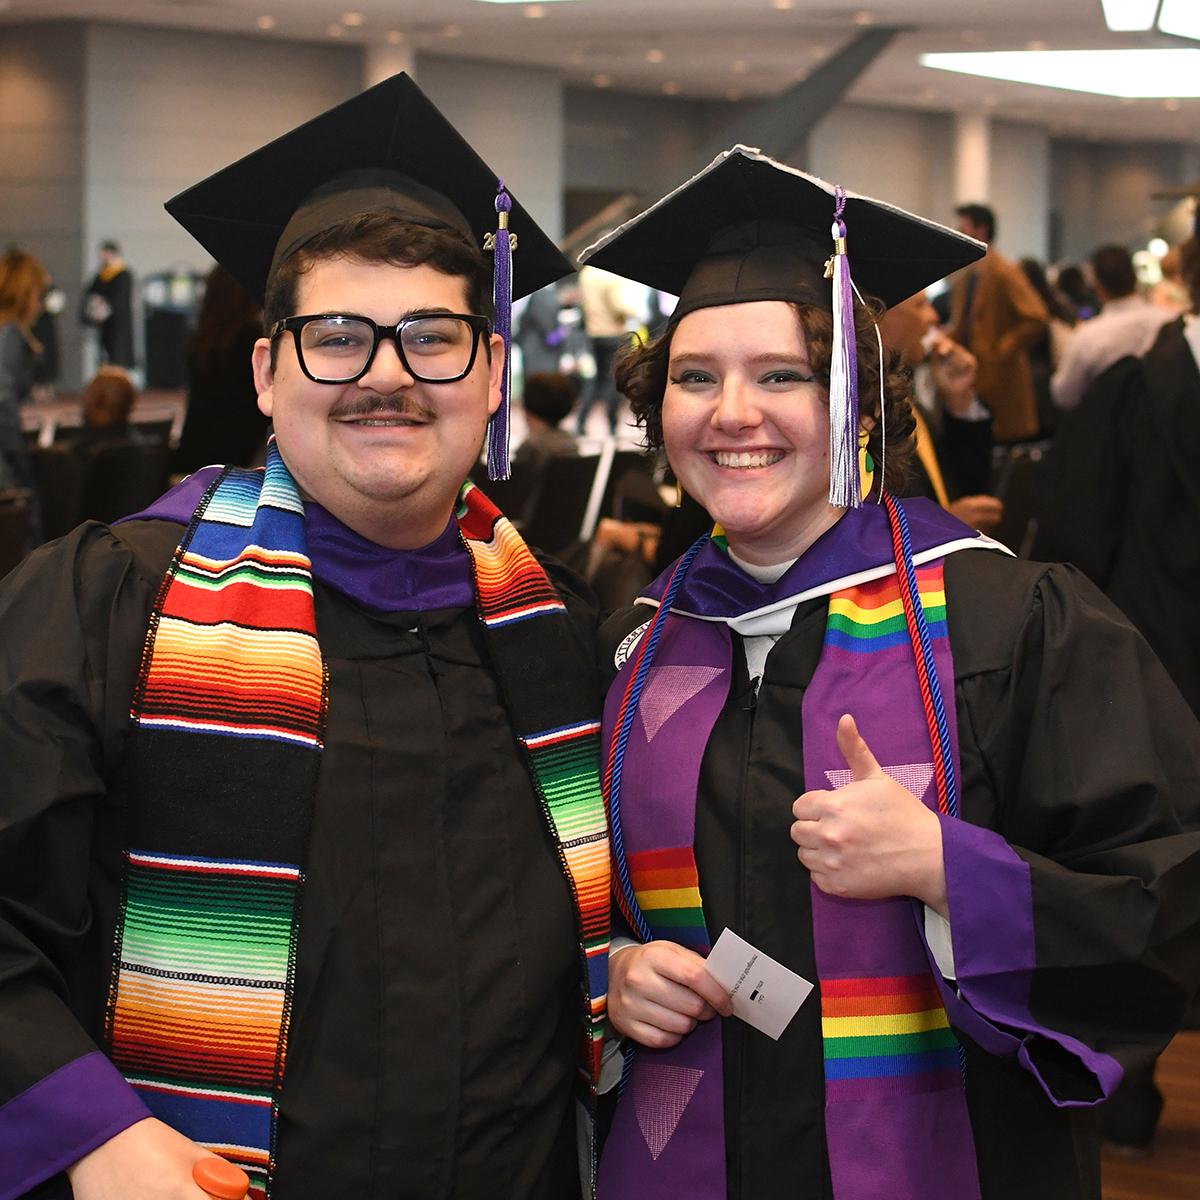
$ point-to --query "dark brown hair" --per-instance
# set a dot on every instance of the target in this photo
(1189, 269)
(641, 374)
(381, 238)
(226, 313)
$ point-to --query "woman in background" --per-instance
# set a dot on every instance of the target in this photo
(23, 284)
(223, 424)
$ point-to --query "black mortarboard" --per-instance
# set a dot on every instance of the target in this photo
(387, 149)
(749, 228)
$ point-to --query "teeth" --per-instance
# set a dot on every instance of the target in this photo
(373, 421)
(763, 458)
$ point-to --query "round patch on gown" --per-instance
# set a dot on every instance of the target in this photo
(627, 647)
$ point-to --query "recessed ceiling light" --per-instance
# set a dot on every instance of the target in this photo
(352, 19)
(655, 56)
(334, 30)
(265, 22)
(864, 17)
(1036, 47)
(1180, 17)
(1130, 14)
(602, 80)
(451, 31)
(783, 4)
(670, 88)
(393, 37)
(741, 67)
(535, 11)
(1156, 73)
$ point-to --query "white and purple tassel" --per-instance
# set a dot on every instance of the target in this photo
(502, 245)
(844, 486)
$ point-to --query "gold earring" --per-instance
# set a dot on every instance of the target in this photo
(678, 494)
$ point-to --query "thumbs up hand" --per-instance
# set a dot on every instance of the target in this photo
(872, 838)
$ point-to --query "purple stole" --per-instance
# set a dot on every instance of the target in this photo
(896, 1121)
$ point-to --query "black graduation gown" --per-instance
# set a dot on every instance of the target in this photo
(1121, 498)
(1077, 749)
(437, 1017)
(116, 330)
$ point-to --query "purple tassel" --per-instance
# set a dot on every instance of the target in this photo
(845, 489)
(500, 421)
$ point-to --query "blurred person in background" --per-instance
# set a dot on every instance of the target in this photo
(1122, 504)
(223, 423)
(23, 284)
(107, 306)
(1046, 353)
(997, 315)
(954, 432)
(106, 402)
(1073, 284)
(1170, 292)
(1126, 324)
(548, 400)
(606, 317)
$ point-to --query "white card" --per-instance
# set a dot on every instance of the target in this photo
(765, 993)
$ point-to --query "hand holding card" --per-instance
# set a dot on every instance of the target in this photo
(765, 993)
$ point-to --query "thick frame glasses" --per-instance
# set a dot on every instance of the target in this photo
(340, 347)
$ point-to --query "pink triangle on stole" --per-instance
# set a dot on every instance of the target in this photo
(914, 776)
(670, 689)
(662, 1093)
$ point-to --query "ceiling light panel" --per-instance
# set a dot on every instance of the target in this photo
(1139, 73)
(1130, 14)
(1180, 17)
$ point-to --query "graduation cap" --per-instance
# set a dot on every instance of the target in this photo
(386, 150)
(749, 228)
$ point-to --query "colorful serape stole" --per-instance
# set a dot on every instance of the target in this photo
(527, 625)
(201, 998)
(200, 1002)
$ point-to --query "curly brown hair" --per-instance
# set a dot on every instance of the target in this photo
(641, 375)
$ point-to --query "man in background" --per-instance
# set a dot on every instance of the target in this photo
(1126, 324)
(996, 314)
(108, 306)
(606, 317)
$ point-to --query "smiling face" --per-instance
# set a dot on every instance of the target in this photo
(746, 427)
(385, 454)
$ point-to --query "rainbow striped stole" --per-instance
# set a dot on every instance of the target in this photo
(890, 1030)
(883, 1033)
(556, 724)
(666, 884)
(870, 618)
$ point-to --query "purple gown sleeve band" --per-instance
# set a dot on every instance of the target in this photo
(60, 1119)
(995, 959)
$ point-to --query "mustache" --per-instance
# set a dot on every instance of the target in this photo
(376, 405)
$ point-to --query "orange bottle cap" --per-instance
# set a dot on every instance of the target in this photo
(221, 1179)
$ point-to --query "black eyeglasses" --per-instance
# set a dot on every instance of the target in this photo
(340, 347)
